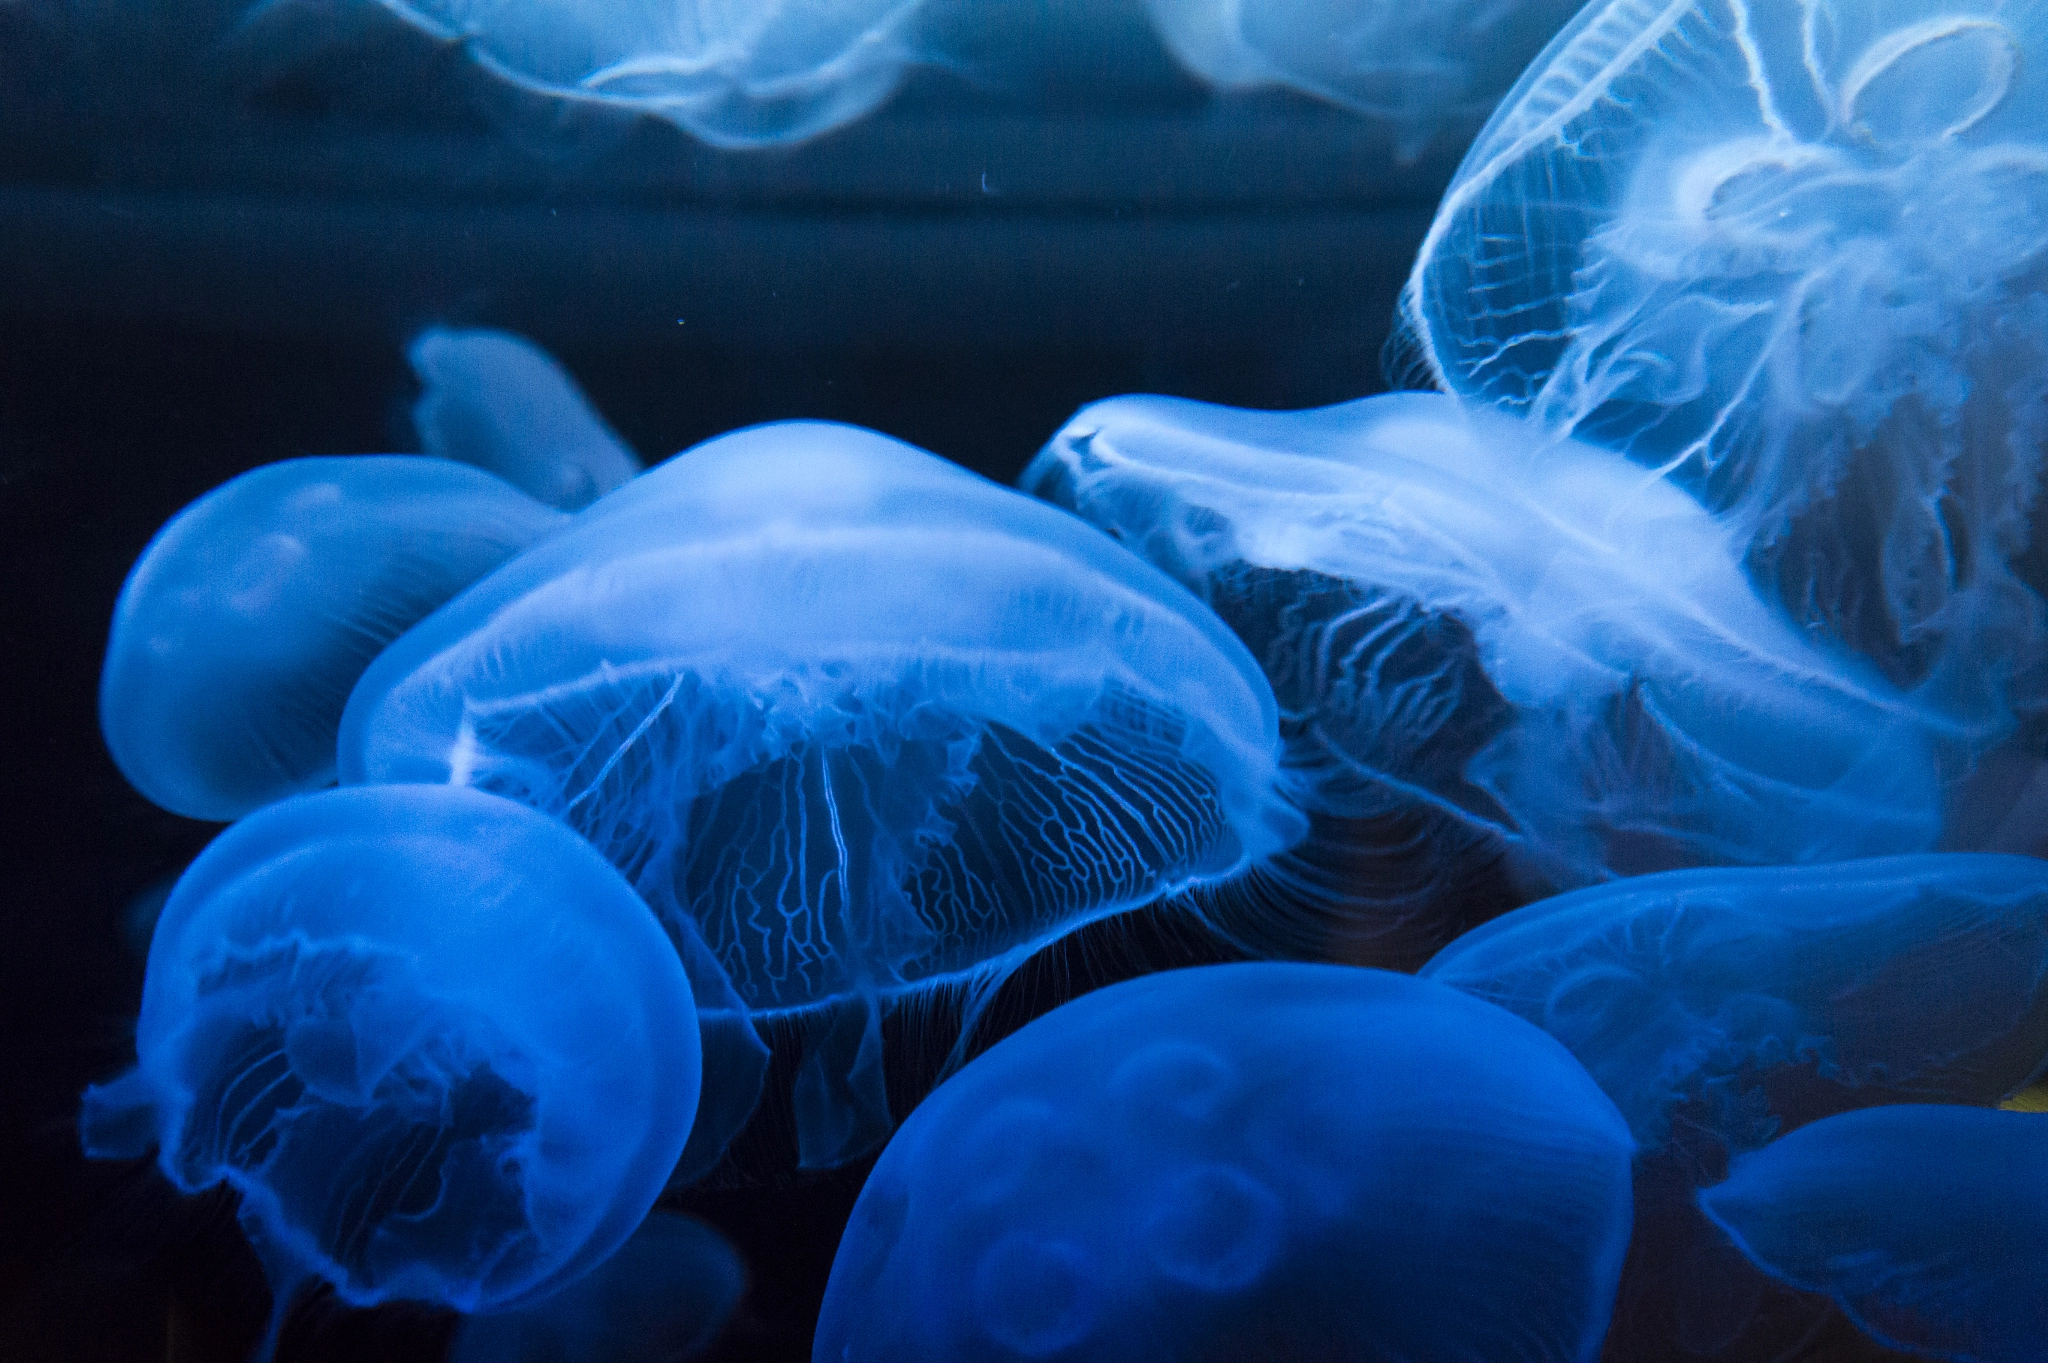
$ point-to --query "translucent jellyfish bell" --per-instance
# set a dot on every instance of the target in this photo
(500, 402)
(869, 722)
(1795, 257)
(1252, 1162)
(1926, 1224)
(735, 73)
(663, 1297)
(1420, 68)
(433, 1040)
(1484, 641)
(249, 617)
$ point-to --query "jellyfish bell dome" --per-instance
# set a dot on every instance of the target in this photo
(1248, 1162)
(1794, 258)
(432, 1039)
(867, 721)
(247, 620)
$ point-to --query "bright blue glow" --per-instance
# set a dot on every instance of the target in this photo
(866, 720)
(432, 1039)
(662, 1298)
(1482, 640)
(1420, 68)
(1926, 1224)
(1257, 1161)
(250, 615)
(735, 73)
(1795, 257)
(1923, 975)
(500, 402)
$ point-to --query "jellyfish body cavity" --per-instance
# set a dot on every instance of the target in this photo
(432, 1039)
(662, 1297)
(865, 720)
(1255, 1161)
(500, 402)
(734, 73)
(1419, 68)
(1485, 642)
(1894, 977)
(1794, 258)
(1925, 1223)
(245, 623)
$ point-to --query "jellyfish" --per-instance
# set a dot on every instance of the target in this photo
(1421, 69)
(252, 613)
(733, 73)
(1793, 258)
(1927, 1224)
(663, 1297)
(500, 402)
(873, 725)
(435, 1042)
(1719, 1007)
(1497, 670)
(1251, 1161)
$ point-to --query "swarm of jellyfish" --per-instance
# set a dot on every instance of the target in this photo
(1592, 755)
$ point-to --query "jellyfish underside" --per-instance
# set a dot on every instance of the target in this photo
(1166, 1167)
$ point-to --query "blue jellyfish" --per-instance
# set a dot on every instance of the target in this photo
(1927, 1224)
(1244, 1162)
(249, 617)
(663, 1297)
(1487, 646)
(1421, 69)
(867, 721)
(1794, 258)
(502, 403)
(753, 74)
(433, 1040)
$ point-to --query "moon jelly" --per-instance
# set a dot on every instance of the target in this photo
(868, 721)
(1420, 68)
(735, 73)
(1794, 257)
(1927, 1224)
(432, 1039)
(1479, 647)
(502, 403)
(1244, 1162)
(252, 613)
(662, 1298)
(1921, 976)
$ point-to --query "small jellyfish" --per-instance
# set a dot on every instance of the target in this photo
(663, 1297)
(252, 613)
(1422, 69)
(500, 402)
(1928, 1225)
(734, 73)
(1244, 1162)
(871, 723)
(1482, 653)
(1795, 258)
(438, 1046)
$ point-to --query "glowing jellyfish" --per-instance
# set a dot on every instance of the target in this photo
(252, 613)
(502, 403)
(1926, 1224)
(1420, 68)
(869, 722)
(735, 73)
(1795, 257)
(1257, 1161)
(1479, 651)
(432, 1039)
(662, 1298)
(1921, 976)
